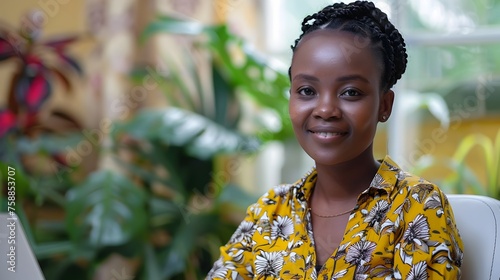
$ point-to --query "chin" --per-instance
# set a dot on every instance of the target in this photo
(329, 159)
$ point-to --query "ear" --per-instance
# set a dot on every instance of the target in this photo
(385, 108)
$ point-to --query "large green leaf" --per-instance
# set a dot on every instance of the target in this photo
(186, 239)
(152, 270)
(253, 75)
(225, 99)
(201, 137)
(106, 209)
(234, 195)
(48, 143)
(166, 24)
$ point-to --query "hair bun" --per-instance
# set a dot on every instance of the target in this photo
(363, 18)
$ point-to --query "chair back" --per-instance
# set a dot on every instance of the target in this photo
(478, 221)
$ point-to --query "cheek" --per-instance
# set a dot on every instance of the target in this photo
(294, 109)
(365, 115)
(299, 111)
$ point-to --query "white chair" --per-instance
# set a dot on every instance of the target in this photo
(478, 220)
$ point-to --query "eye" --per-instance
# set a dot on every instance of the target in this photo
(351, 93)
(306, 91)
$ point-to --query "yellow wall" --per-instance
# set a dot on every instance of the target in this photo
(452, 138)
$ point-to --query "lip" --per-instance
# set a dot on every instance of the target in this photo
(327, 133)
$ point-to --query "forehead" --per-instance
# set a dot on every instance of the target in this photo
(333, 48)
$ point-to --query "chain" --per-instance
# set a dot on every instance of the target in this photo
(332, 216)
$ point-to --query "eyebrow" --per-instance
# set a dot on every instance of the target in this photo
(353, 77)
(305, 77)
(340, 79)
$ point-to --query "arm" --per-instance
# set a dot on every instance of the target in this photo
(236, 257)
(429, 245)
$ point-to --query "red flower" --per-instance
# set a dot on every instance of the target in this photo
(7, 121)
(32, 92)
(6, 49)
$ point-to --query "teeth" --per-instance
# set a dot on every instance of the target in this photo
(328, 134)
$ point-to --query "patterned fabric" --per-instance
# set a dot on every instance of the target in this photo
(402, 228)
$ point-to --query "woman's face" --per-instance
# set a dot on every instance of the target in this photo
(335, 96)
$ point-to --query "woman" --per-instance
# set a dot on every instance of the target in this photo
(350, 217)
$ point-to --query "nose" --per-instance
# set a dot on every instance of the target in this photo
(327, 107)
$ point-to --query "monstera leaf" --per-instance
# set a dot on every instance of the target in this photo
(236, 69)
(199, 136)
(106, 209)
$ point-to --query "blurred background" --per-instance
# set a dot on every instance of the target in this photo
(141, 130)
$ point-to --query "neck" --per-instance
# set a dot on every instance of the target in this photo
(348, 179)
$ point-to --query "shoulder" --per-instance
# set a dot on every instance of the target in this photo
(417, 187)
(404, 186)
(283, 199)
(417, 197)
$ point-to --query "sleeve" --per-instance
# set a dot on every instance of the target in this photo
(236, 257)
(428, 245)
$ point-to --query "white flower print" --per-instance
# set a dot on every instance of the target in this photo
(294, 244)
(237, 255)
(402, 175)
(415, 238)
(244, 232)
(421, 192)
(256, 209)
(361, 272)
(269, 263)
(339, 274)
(360, 252)
(387, 227)
(341, 251)
(397, 274)
(377, 181)
(417, 231)
(418, 272)
(433, 201)
(282, 190)
(218, 270)
(294, 257)
(282, 227)
(268, 201)
(309, 262)
(263, 224)
(377, 214)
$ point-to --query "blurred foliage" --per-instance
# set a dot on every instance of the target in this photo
(237, 70)
(463, 179)
(26, 145)
(171, 154)
(171, 202)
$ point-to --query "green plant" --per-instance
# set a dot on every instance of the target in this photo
(172, 154)
(463, 179)
(171, 206)
(26, 144)
(36, 63)
(172, 202)
(237, 70)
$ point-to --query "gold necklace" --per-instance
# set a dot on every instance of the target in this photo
(332, 216)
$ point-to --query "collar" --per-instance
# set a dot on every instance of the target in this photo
(385, 179)
(387, 176)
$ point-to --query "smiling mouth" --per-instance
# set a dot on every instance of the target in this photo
(328, 134)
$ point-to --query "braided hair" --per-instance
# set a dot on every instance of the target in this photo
(364, 19)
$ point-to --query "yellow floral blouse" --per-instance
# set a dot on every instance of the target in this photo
(402, 228)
